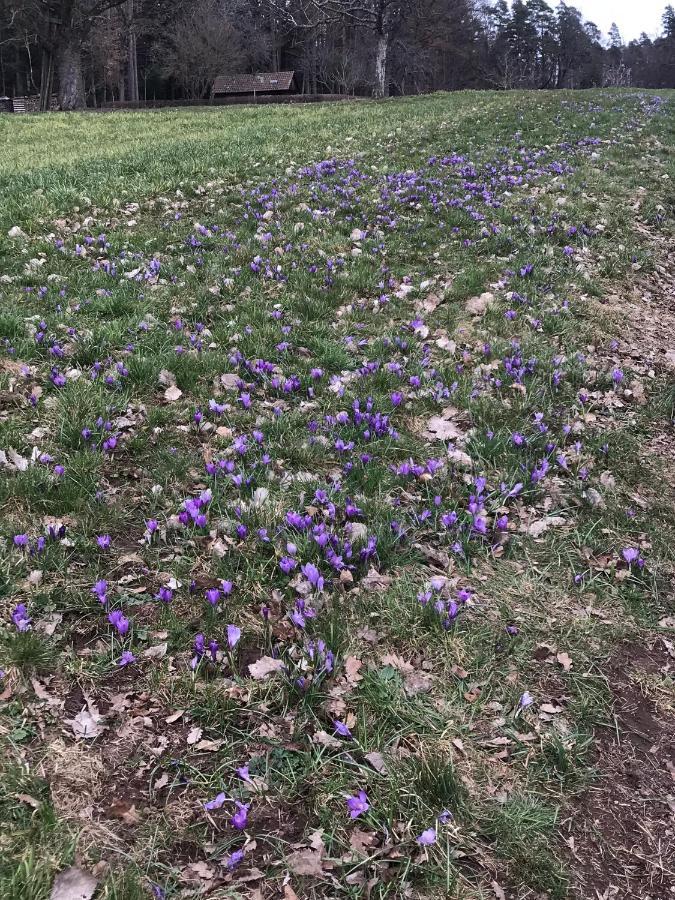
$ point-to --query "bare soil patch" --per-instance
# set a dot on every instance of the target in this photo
(621, 832)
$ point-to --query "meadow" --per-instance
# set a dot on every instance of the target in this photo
(337, 474)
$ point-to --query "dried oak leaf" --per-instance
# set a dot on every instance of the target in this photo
(73, 884)
(264, 667)
(374, 581)
(305, 862)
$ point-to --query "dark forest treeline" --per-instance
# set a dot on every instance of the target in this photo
(90, 52)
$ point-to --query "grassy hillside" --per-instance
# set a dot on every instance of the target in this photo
(337, 485)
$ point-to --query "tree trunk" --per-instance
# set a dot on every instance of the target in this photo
(381, 83)
(132, 55)
(46, 80)
(71, 82)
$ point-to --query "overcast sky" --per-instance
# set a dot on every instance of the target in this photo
(632, 16)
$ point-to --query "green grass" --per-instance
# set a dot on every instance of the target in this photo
(229, 250)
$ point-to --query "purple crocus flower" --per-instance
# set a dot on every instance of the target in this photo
(286, 564)
(312, 574)
(20, 540)
(427, 837)
(126, 658)
(242, 772)
(119, 621)
(630, 554)
(213, 596)
(342, 729)
(165, 594)
(238, 820)
(358, 804)
(100, 589)
(234, 859)
(216, 803)
(233, 635)
(21, 618)
(103, 541)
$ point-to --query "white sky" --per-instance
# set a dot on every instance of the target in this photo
(632, 16)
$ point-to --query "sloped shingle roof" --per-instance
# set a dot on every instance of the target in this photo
(261, 83)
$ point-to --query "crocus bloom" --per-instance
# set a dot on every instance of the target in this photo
(21, 618)
(216, 803)
(358, 804)
(526, 700)
(427, 837)
(242, 772)
(126, 658)
(238, 820)
(630, 554)
(165, 594)
(213, 596)
(103, 540)
(118, 621)
(312, 574)
(341, 729)
(233, 635)
(232, 861)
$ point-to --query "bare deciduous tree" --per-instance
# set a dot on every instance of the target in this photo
(200, 45)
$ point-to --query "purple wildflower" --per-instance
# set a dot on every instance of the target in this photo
(239, 818)
(21, 618)
(233, 635)
(234, 859)
(358, 804)
(427, 837)
(216, 803)
(342, 729)
(119, 621)
(213, 596)
(630, 555)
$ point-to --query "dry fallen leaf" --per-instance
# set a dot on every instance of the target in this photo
(194, 735)
(565, 661)
(73, 884)
(88, 723)
(352, 670)
(229, 381)
(377, 761)
(498, 891)
(360, 841)
(264, 667)
(325, 739)
(305, 862)
(536, 529)
(417, 683)
(477, 306)
(173, 393)
(397, 662)
(374, 581)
